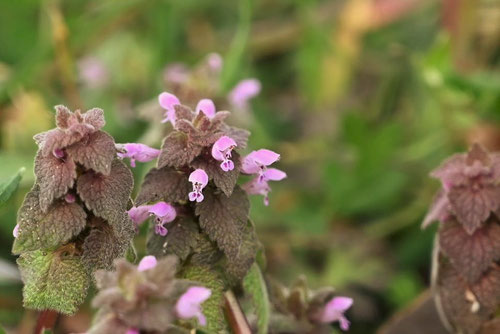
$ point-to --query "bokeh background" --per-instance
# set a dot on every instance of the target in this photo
(362, 98)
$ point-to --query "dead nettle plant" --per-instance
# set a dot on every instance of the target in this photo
(74, 220)
(200, 214)
(466, 272)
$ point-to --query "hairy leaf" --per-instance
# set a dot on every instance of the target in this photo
(9, 187)
(472, 254)
(240, 136)
(38, 230)
(439, 211)
(164, 184)
(54, 177)
(53, 281)
(95, 118)
(487, 289)
(255, 286)
(224, 219)
(213, 307)
(180, 240)
(240, 263)
(177, 150)
(95, 152)
(473, 206)
(225, 181)
(206, 252)
(107, 195)
(56, 139)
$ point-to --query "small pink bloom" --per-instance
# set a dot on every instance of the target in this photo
(221, 151)
(70, 198)
(58, 153)
(165, 213)
(139, 214)
(147, 262)
(15, 232)
(189, 304)
(256, 187)
(168, 102)
(334, 311)
(139, 152)
(206, 106)
(254, 162)
(176, 73)
(243, 92)
(93, 72)
(214, 61)
(132, 331)
(199, 179)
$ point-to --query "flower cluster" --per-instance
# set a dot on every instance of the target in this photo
(146, 297)
(74, 220)
(467, 206)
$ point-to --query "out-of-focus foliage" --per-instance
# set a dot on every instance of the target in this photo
(362, 98)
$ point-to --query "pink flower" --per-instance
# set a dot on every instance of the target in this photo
(168, 102)
(221, 151)
(206, 106)
(15, 232)
(214, 61)
(257, 163)
(132, 331)
(243, 92)
(199, 179)
(189, 304)
(139, 152)
(147, 262)
(165, 213)
(334, 311)
(58, 153)
(176, 73)
(93, 72)
(70, 198)
(139, 214)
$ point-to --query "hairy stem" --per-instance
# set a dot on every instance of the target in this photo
(237, 320)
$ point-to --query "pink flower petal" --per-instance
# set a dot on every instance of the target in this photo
(207, 106)
(199, 176)
(243, 92)
(137, 151)
(222, 144)
(139, 214)
(147, 262)
(164, 211)
(214, 61)
(334, 311)
(273, 174)
(252, 163)
(168, 101)
(15, 232)
(341, 304)
(132, 331)
(189, 304)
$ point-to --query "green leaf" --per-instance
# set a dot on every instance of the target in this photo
(53, 281)
(255, 286)
(8, 187)
(212, 307)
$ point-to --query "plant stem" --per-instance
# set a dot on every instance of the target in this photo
(46, 320)
(237, 320)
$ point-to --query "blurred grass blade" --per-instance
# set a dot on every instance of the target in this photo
(8, 187)
(255, 286)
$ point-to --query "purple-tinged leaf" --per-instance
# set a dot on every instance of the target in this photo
(471, 255)
(95, 152)
(439, 211)
(206, 252)
(479, 154)
(107, 195)
(472, 204)
(63, 115)
(225, 181)
(180, 240)
(177, 150)
(183, 113)
(164, 184)
(54, 177)
(95, 118)
(450, 172)
(487, 290)
(240, 136)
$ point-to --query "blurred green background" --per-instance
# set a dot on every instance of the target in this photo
(362, 98)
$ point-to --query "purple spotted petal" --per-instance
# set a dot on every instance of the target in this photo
(223, 144)
(252, 163)
(164, 211)
(243, 92)
(199, 176)
(207, 106)
(227, 165)
(70, 198)
(15, 232)
(161, 230)
(139, 214)
(147, 262)
(189, 304)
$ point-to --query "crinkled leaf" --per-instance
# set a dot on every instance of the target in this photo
(106, 322)
(95, 152)
(180, 240)
(487, 290)
(38, 230)
(240, 136)
(183, 113)
(453, 298)
(472, 254)
(203, 131)
(103, 245)
(212, 307)
(94, 117)
(177, 150)
(63, 115)
(56, 139)
(53, 281)
(225, 181)
(54, 177)
(8, 187)
(107, 195)
(206, 252)
(473, 206)
(439, 210)
(224, 219)
(239, 264)
(164, 184)
(477, 153)
(256, 288)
